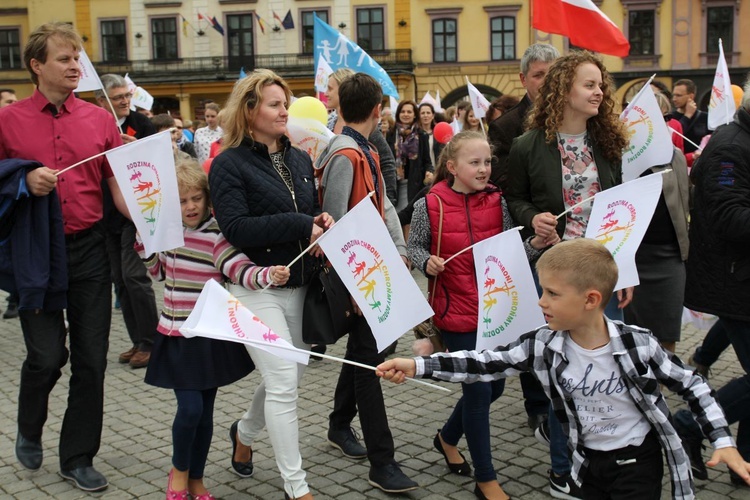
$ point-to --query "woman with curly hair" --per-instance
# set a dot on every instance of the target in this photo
(571, 151)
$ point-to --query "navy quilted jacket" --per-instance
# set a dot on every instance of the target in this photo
(256, 211)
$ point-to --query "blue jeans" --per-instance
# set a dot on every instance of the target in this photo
(714, 343)
(734, 397)
(471, 415)
(192, 430)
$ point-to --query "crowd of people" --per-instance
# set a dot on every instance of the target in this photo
(251, 202)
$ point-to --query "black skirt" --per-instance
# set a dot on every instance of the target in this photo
(196, 363)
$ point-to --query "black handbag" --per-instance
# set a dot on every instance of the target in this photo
(328, 313)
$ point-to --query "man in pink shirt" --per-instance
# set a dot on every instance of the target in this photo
(56, 129)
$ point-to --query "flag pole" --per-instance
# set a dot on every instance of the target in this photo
(332, 358)
(370, 195)
(691, 142)
(472, 246)
(638, 95)
(106, 152)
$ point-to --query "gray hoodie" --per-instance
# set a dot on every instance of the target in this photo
(336, 184)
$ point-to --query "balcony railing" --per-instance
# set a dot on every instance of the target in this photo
(227, 67)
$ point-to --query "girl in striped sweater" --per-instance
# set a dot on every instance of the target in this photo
(195, 368)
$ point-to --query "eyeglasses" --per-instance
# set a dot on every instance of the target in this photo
(121, 97)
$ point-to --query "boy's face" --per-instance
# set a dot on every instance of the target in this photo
(193, 206)
(563, 304)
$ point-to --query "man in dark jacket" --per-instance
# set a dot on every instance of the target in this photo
(718, 266)
(694, 121)
(535, 62)
(132, 282)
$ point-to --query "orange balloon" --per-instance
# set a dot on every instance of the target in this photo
(737, 93)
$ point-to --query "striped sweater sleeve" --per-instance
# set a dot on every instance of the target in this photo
(236, 266)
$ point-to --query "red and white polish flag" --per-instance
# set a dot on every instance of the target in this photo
(583, 23)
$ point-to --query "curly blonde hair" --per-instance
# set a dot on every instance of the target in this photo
(605, 129)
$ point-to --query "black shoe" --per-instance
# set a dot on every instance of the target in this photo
(693, 448)
(318, 348)
(86, 478)
(29, 452)
(563, 487)
(462, 469)
(242, 469)
(12, 311)
(535, 421)
(542, 433)
(391, 479)
(346, 441)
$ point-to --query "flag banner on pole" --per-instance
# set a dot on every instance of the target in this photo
(220, 315)
(276, 16)
(393, 103)
(361, 250)
(288, 22)
(438, 103)
(508, 301)
(145, 172)
(479, 103)
(650, 139)
(323, 70)
(142, 99)
(89, 79)
(309, 135)
(721, 107)
(131, 88)
(455, 126)
(242, 73)
(583, 23)
(619, 219)
(261, 23)
(429, 100)
(218, 27)
(340, 52)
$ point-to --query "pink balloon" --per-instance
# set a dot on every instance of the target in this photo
(442, 132)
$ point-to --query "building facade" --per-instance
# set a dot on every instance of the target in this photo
(185, 52)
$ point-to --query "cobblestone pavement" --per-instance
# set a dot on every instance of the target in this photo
(136, 441)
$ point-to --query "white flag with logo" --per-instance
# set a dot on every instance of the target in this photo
(619, 219)
(456, 126)
(650, 138)
(89, 79)
(361, 250)
(220, 315)
(145, 172)
(142, 99)
(438, 102)
(131, 88)
(721, 107)
(393, 103)
(478, 101)
(309, 135)
(508, 300)
(323, 70)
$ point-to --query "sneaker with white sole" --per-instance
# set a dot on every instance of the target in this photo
(542, 433)
(563, 487)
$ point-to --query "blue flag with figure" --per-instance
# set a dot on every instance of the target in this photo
(340, 52)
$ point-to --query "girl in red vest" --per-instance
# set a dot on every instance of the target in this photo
(470, 209)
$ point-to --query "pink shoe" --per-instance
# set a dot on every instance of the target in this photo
(205, 496)
(175, 495)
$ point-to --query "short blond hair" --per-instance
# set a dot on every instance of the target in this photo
(190, 175)
(584, 263)
(36, 45)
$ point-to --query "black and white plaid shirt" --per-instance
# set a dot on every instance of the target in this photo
(643, 365)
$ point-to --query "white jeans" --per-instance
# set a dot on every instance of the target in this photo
(275, 400)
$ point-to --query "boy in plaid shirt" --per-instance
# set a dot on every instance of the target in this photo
(603, 379)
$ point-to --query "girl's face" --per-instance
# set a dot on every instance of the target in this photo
(471, 167)
(472, 121)
(271, 115)
(425, 116)
(586, 94)
(406, 117)
(332, 93)
(211, 118)
(193, 204)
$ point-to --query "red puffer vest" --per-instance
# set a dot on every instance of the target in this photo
(467, 219)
